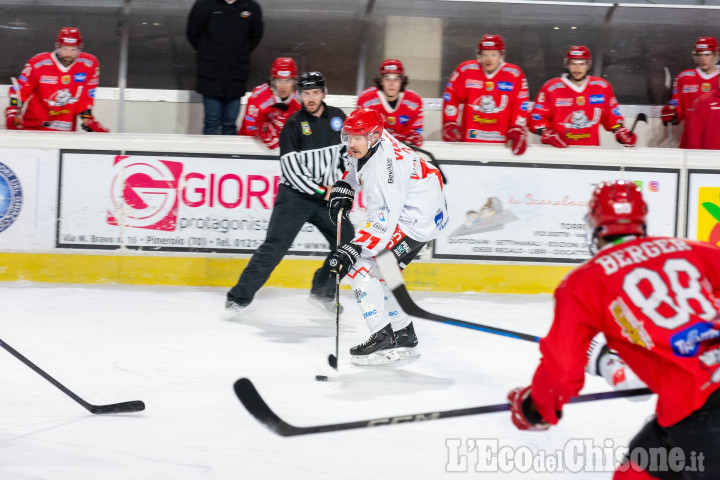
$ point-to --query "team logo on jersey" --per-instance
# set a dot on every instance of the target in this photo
(580, 100)
(489, 86)
(144, 193)
(305, 126)
(486, 104)
(705, 87)
(579, 119)
(336, 123)
(632, 329)
(79, 77)
(11, 197)
(390, 120)
(505, 86)
(404, 119)
(61, 98)
(245, 14)
(597, 99)
(450, 110)
(65, 79)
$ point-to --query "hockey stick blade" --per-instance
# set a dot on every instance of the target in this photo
(124, 407)
(393, 277)
(254, 403)
(332, 361)
(640, 118)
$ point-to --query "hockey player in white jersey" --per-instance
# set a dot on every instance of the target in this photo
(406, 208)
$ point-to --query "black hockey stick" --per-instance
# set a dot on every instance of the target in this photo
(433, 160)
(393, 278)
(640, 118)
(124, 407)
(253, 402)
(333, 359)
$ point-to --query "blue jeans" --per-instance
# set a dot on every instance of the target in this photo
(220, 112)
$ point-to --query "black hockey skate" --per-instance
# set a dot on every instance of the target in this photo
(379, 349)
(234, 310)
(407, 341)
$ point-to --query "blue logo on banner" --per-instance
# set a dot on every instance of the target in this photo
(79, 77)
(597, 98)
(685, 342)
(11, 197)
(336, 123)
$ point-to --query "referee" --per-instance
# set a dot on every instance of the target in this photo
(311, 161)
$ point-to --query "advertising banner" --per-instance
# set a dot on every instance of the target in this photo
(28, 198)
(534, 212)
(170, 202)
(703, 205)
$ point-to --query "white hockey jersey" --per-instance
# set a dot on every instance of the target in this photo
(402, 193)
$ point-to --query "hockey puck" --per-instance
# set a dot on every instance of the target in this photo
(321, 378)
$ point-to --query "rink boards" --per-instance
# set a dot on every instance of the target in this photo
(190, 210)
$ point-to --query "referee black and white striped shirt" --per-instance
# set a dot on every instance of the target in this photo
(311, 155)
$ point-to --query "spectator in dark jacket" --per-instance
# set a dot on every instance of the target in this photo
(223, 33)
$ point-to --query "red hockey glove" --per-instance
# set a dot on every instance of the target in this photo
(13, 120)
(451, 132)
(625, 136)
(517, 140)
(93, 125)
(524, 414)
(669, 115)
(551, 137)
(269, 133)
(414, 139)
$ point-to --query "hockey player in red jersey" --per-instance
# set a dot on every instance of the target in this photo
(406, 208)
(691, 84)
(656, 300)
(400, 107)
(55, 88)
(486, 99)
(570, 109)
(702, 122)
(272, 103)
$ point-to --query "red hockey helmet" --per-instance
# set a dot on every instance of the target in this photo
(578, 52)
(70, 36)
(706, 45)
(616, 208)
(491, 42)
(363, 121)
(391, 66)
(283, 67)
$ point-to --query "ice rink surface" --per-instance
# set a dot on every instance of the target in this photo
(171, 348)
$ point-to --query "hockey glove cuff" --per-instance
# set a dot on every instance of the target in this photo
(341, 197)
(524, 414)
(517, 140)
(13, 120)
(343, 258)
(551, 137)
(270, 134)
(414, 139)
(94, 126)
(451, 132)
(625, 136)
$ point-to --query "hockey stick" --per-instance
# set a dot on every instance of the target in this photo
(668, 94)
(333, 359)
(393, 278)
(640, 118)
(433, 160)
(254, 403)
(124, 407)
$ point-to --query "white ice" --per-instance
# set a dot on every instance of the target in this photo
(170, 347)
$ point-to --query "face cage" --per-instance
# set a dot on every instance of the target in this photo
(591, 236)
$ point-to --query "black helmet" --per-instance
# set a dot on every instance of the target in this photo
(311, 81)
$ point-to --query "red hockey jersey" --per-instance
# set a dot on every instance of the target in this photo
(260, 109)
(576, 112)
(688, 86)
(491, 104)
(55, 95)
(655, 299)
(403, 120)
(702, 127)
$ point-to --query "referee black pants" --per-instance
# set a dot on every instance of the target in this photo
(292, 209)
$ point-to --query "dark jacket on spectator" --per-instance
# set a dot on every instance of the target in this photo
(224, 35)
